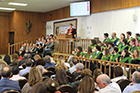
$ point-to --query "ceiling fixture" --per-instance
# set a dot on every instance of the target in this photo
(18, 4)
(3, 8)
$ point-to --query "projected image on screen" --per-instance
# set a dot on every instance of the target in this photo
(80, 8)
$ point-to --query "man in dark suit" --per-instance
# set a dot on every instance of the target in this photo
(6, 83)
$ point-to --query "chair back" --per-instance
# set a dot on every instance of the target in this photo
(66, 89)
(22, 82)
(11, 91)
(69, 79)
(78, 78)
(68, 73)
(26, 75)
(123, 83)
(49, 73)
(51, 69)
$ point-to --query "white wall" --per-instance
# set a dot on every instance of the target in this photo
(119, 21)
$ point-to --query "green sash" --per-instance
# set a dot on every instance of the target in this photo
(129, 39)
(81, 53)
(107, 40)
(113, 40)
(125, 59)
(87, 56)
(136, 59)
(131, 50)
(113, 58)
(96, 55)
(120, 44)
(105, 58)
(92, 46)
(120, 50)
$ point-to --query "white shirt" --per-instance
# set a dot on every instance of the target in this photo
(111, 88)
(67, 64)
(118, 78)
(72, 69)
(17, 77)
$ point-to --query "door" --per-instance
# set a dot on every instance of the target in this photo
(11, 41)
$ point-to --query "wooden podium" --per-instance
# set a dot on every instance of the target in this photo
(64, 36)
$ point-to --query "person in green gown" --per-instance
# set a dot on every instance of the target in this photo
(132, 46)
(129, 37)
(106, 36)
(114, 38)
(125, 57)
(115, 55)
(106, 54)
(79, 52)
(89, 53)
(135, 57)
(137, 37)
(120, 41)
(93, 43)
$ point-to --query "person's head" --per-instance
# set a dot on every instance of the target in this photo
(99, 43)
(6, 72)
(98, 48)
(128, 34)
(71, 25)
(86, 72)
(35, 76)
(15, 62)
(25, 56)
(106, 43)
(61, 77)
(74, 61)
(93, 42)
(48, 36)
(79, 49)
(122, 35)
(40, 67)
(115, 50)
(39, 88)
(96, 73)
(118, 71)
(87, 85)
(40, 45)
(132, 42)
(51, 36)
(136, 77)
(40, 62)
(137, 35)
(47, 59)
(31, 44)
(15, 56)
(61, 57)
(106, 35)
(110, 44)
(7, 59)
(58, 67)
(15, 70)
(103, 80)
(106, 52)
(28, 62)
(113, 35)
(136, 53)
(34, 45)
(89, 50)
(28, 45)
(36, 40)
(125, 53)
(62, 64)
(51, 85)
(124, 41)
(36, 57)
(39, 39)
(79, 67)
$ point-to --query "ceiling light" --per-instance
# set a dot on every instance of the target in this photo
(18, 4)
(3, 8)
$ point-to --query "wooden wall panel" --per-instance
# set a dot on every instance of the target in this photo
(96, 6)
(4, 28)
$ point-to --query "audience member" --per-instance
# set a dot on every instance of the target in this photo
(61, 58)
(34, 77)
(118, 74)
(48, 62)
(15, 71)
(28, 67)
(7, 59)
(15, 56)
(135, 85)
(105, 85)
(24, 60)
(62, 64)
(15, 62)
(41, 68)
(73, 68)
(6, 83)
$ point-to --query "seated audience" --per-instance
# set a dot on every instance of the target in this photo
(129, 37)
(2, 61)
(89, 53)
(7, 59)
(40, 48)
(132, 46)
(122, 36)
(15, 71)
(78, 52)
(124, 45)
(106, 54)
(105, 85)
(118, 74)
(15, 56)
(39, 88)
(15, 62)
(73, 68)
(61, 58)
(96, 73)
(115, 55)
(87, 85)
(135, 85)
(24, 60)
(61, 77)
(110, 47)
(48, 62)
(114, 38)
(137, 38)
(93, 43)
(86, 72)
(6, 83)
(106, 36)
(98, 54)
(28, 67)
(62, 64)
(79, 68)
(34, 77)
(41, 68)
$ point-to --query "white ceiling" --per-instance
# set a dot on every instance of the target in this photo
(37, 5)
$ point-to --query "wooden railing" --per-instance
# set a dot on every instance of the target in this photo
(16, 46)
(101, 63)
(67, 45)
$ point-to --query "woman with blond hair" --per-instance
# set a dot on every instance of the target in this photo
(34, 77)
(62, 64)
